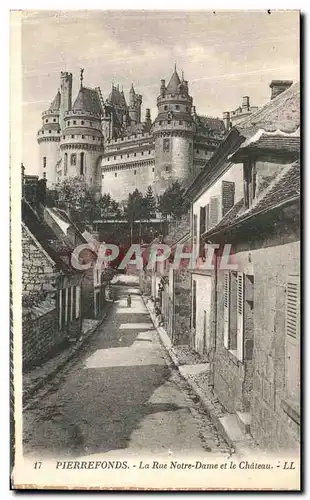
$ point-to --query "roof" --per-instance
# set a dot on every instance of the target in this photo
(55, 105)
(174, 83)
(62, 214)
(276, 144)
(87, 100)
(285, 188)
(211, 122)
(281, 113)
(116, 97)
(44, 234)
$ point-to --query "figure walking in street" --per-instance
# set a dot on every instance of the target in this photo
(129, 300)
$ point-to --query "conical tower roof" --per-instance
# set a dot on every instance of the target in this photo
(174, 83)
(87, 100)
(55, 105)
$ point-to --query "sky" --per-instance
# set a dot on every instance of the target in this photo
(224, 55)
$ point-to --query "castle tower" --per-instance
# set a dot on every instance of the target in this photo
(48, 138)
(173, 131)
(135, 102)
(66, 95)
(81, 146)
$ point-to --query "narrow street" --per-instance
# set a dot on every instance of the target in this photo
(118, 394)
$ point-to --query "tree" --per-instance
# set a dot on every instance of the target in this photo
(172, 201)
(75, 195)
(134, 208)
(149, 203)
(108, 206)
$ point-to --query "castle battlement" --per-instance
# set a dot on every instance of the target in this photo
(81, 112)
(129, 138)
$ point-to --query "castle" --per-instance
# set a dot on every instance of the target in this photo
(116, 151)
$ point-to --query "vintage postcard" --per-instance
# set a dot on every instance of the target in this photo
(155, 240)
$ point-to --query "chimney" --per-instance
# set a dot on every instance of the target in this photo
(246, 102)
(279, 86)
(226, 119)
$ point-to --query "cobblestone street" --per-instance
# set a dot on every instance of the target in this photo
(120, 393)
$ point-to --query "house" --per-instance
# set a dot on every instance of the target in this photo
(51, 287)
(245, 309)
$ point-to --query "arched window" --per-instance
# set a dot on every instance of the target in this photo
(73, 159)
(44, 161)
(66, 164)
(82, 163)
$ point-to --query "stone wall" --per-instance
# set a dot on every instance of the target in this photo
(37, 269)
(258, 384)
(182, 307)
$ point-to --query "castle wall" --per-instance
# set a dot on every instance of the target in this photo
(120, 181)
(49, 149)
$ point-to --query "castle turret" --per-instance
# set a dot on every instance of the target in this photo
(173, 130)
(66, 95)
(82, 140)
(135, 102)
(48, 139)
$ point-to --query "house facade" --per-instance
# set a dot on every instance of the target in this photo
(245, 308)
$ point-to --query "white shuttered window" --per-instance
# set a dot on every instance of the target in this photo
(293, 336)
(240, 315)
(226, 308)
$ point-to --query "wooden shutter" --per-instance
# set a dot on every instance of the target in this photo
(194, 305)
(240, 315)
(226, 308)
(77, 303)
(60, 308)
(292, 336)
(202, 220)
(228, 196)
(66, 305)
(207, 217)
(214, 210)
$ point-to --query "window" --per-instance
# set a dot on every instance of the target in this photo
(234, 313)
(115, 174)
(91, 124)
(73, 159)
(46, 121)
(82, 163)
(114, 157)
(73, 300)
(49, 131)
(68, 124)
(153, 169)
(83, 136)
(93, 137)
(202, 228)
(142, 153)
(67, 303)
(149, 151)
(169, 122)
(44, 161)
(166, 145)
(177, 106)
(60, 310)
(127, 156)
(194, 300)
(135, 154)
(72, 136)
(108, 158)
(195, 229)
(66, 164)
(165, 107)
(292, 347)
(54, 120)
(167, 168)
(160, 122)
(102, 176)
(82, 122)
(180, 122)
(74, 122)
(135, 172)
(121, 156)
